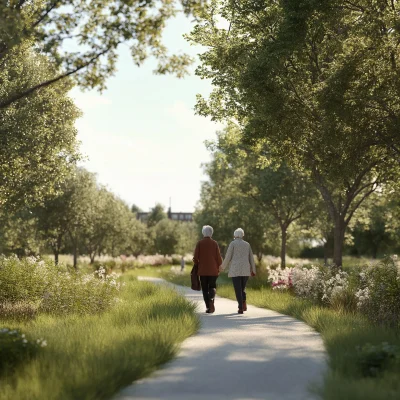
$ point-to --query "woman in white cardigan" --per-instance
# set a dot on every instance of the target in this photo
(240, 260)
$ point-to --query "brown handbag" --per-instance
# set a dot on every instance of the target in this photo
(196, 285)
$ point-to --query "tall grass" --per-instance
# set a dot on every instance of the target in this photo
(93, 356)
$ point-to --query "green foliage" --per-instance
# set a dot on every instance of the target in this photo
(374, 359)
(381, 302)
(264, 200)
(15, 349)
(37, 136)
(53, 290)
(81, 37)
(312, 83)
(174, 237)
(94, 356)
(156, 214)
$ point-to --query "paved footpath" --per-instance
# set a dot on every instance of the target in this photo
(260, 355)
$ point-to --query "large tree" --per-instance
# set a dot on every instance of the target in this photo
(38, 145)
(314, 84)
(82, 37)
(272, 194)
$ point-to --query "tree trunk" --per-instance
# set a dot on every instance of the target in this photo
(57, 248)
(338, 240)
(75, 257)
(326, 253)
(283, 246)
(92, 257)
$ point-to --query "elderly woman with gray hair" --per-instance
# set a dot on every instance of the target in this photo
(208, 258)
(240, 260)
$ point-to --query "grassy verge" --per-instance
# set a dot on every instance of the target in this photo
(91, 357)
(342, 333)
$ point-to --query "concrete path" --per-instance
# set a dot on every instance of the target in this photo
(260, 355)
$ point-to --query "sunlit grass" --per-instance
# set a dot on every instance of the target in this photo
(92, 357)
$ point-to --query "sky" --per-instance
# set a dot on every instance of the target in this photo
(141, 136)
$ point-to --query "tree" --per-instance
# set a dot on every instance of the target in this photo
(19, 234)
(68, 215)
(135, 209)
(139, 239)
(278, 192)
(188, 234)
(37, 136)
(156, 214)
(227, 200)
(166, 236)
(286, 195)
(292, 74)
(369, 231)
(82, 37)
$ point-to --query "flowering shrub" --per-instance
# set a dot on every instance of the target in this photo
(375, 291)
(378, 295)
(280, 278)
(15, 348)
(307, 282)
(333, 285)
(44, 287)
(321, 284)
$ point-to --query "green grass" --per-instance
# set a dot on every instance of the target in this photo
(341, 331)
(92, 357)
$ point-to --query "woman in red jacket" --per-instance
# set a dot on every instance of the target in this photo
(208, 257)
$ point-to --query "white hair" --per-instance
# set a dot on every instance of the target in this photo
(239, 233)
(207, 231)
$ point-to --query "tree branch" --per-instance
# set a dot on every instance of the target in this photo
(49, 82)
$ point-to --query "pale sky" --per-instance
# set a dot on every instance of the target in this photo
(141, 136)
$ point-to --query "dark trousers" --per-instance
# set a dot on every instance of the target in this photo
(239, 283)
(209, 288)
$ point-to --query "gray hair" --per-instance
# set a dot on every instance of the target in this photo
(207, 231)
(239, 233)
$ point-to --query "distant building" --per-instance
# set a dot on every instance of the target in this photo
(175, 216)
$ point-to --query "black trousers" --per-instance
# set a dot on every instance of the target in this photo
(209, 288)
(239, 284)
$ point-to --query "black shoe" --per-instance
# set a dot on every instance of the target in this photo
(208, 311)
(212, 306)
(240, 311)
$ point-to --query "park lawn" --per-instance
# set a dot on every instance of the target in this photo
(92, 357)
(341, 331)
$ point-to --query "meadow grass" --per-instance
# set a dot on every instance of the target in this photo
(341, 331)
(92, 357)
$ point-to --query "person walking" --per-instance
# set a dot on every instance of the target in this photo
(208, 258)
(182, 264)
(240, 260)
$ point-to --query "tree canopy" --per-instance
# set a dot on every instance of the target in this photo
(81, 37)
(314, 85)
(37, 135)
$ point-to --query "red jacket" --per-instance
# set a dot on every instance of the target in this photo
(208, 257)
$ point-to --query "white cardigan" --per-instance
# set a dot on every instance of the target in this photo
(239, 258)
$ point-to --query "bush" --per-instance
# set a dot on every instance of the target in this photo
(373, 360)
(44, 287)
(379, 293)
(16, 348)
(20, 310)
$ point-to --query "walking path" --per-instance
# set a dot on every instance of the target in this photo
(260, 355)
